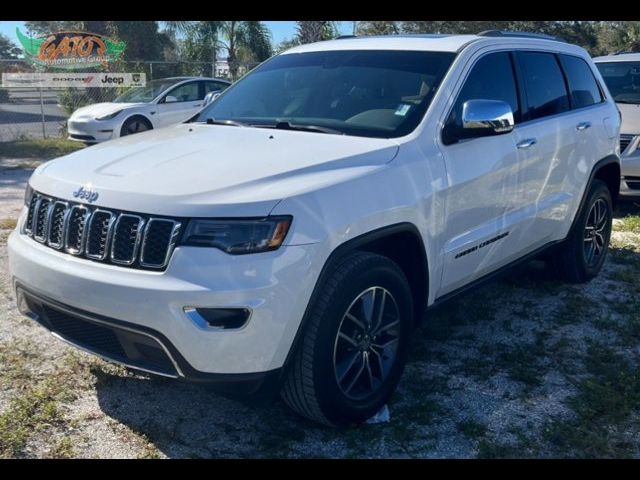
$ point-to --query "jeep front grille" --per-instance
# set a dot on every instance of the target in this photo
(625, 140)
(104, 235)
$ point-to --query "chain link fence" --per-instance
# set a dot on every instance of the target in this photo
(42, 112)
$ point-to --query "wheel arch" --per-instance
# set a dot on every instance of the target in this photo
(401, 243)
(608, 170)
(134, 115)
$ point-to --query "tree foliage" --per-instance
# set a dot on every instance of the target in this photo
(7, 48)
(597, 37)
(315, 31)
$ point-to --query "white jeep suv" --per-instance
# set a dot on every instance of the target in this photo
(621, 73)
(291, 235)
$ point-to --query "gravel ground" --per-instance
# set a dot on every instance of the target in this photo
(527, 367)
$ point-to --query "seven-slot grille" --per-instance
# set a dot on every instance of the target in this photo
(137, 241)
(625, 140)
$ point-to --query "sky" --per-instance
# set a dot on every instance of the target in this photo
(279, 30)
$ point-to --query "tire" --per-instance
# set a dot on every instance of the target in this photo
(135, 125)
(583, 253)
(322, 382)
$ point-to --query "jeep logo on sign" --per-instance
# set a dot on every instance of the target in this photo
(88, 195)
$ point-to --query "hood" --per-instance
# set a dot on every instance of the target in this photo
(630, 118)
(208, 170)
(100, 109)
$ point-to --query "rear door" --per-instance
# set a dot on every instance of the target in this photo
(592, 120)
(546, 144)
(553, 142)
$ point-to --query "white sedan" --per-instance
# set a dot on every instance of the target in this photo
(160, 103)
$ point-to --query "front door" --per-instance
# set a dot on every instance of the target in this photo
(483, 178)
(179, 104)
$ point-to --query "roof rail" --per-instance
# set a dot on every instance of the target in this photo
(624, 52)
(342, 37)
(505, 33)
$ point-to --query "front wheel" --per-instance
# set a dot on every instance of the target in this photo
(583, 253)
(355, 343)
(135, 125)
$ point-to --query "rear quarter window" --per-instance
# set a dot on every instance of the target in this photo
(583, 86)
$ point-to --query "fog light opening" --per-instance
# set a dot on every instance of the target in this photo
(218, 318)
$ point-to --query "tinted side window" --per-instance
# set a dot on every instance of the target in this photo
(490, 79)
(188, 92)
(546, 90)
(215, 86)
(582, 84)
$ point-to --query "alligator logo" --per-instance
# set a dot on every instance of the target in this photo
(88, 195)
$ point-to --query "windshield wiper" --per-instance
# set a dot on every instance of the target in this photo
(232, 123)
(306, 128)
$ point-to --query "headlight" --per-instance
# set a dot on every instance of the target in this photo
(110, 116)
(238, 236)
(27, 195)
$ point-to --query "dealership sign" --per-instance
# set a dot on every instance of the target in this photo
(92, 80)
(70, 50)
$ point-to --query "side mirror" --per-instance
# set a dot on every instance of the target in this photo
(170, 99)
(210, 97)
(481, 118)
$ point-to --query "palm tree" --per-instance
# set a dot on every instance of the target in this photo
(309, 32)
(244, 40)
(203, 39)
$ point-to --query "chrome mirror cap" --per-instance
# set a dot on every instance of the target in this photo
(487, 117)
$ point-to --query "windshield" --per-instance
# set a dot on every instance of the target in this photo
(374, 93)
(622, 79)
(147, 93)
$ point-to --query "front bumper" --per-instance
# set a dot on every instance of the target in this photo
(274, 286)
(137, 347)
(630, 182)
(92, 131)
(630, 169)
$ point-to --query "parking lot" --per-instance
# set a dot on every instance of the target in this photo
(22, 114)
(525, 367)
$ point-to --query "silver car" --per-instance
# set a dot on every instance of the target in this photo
(621, 73)
(158, 104)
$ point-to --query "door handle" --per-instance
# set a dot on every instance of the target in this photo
(583, 126)
(527, 143)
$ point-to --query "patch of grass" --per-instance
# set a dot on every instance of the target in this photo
(574, 308)
(63, 448)
(630, 223)
(38, 406)
(523, 365)
(8, 223)
(604, 401)
(471, 429)
(627, 275)
(13, 365)
(44, 149)
(490, 449)
(33, 410)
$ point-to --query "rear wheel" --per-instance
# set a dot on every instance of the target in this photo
(583, 253)
(355, 344)
(135, 125)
